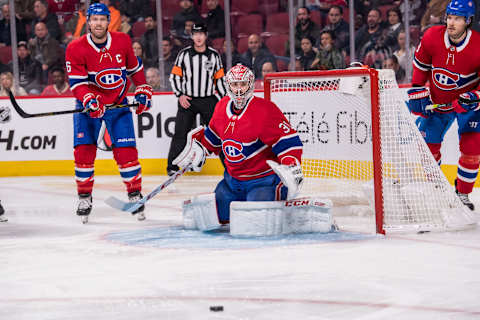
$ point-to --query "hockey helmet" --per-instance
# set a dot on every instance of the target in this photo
(98, 9)
(462, 8)
(240, 73)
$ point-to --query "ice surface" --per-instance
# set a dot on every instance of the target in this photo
(115, 267)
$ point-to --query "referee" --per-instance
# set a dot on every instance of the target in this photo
(197, 81)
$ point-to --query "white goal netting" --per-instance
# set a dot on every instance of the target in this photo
(378, 171)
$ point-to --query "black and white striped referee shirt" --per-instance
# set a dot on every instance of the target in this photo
(198, 74)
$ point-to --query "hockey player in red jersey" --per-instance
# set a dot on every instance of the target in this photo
(448, 57)
(250, 131)
(98, 65)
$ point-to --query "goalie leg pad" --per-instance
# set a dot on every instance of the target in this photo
(271, 218)
(200, 212)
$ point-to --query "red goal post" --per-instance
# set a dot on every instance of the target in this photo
(366, 153)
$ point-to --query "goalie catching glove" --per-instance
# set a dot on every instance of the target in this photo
(93, 105)
(194, 153)
(291, 176)
(467, 101)
(143, 96)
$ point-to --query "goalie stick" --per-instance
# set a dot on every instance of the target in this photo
(24, 114)
(132, 206)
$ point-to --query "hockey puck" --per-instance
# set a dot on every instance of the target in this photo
(216, 308)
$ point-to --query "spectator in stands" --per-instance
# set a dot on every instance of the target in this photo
(392, 63)
(363, 6)
(339, 27)
(7, 83)
(135, 9)
(77, 25)
(188, 12)
(328, 57)
(401, 53)
(126, 27)
(304, 27)
(257, 55)
(62, 9)
(434, 14)
(29, 70)
(5, 38)
(60, 86)
(367, 36)
(308, 54)
(324, 5)
(184, 39)
(267, 67)
(115, 16)
(138, 50)
(45, 49)
(215, 20)
(169, 56)
(417, 8)
(24, 10)
(149, 41)
(236, 56)
(42, 14)
(394, 25)
(154, 79)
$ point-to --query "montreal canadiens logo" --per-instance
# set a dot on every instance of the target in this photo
(233, 151)
(445, 79)
(109, 78)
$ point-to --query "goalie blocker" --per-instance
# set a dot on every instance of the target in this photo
(261, 218)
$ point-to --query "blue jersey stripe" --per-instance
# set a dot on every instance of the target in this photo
(285, 144)
(212, 138)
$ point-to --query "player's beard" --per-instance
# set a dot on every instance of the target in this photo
(457, 35)
(98, 34)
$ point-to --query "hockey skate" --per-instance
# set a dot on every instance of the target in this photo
(2, 211)
(464, 198)
(134, 197)
(84, 206)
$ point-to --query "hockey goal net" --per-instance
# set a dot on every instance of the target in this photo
(363, 151)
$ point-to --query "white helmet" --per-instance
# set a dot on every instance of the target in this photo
(240, 73)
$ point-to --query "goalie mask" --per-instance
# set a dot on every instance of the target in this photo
(240, 85)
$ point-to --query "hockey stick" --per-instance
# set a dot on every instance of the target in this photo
(132, 206)
(441, 105)
(24, 114)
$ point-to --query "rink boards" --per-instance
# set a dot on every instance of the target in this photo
(44, 145)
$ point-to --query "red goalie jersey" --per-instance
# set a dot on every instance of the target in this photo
(103, 71)
(451, 70)
(259, 133)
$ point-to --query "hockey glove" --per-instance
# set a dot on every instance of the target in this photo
(93, 106)
(291, 176)
(467, 101)
(418, 100)
(194, 153)
(143, 96)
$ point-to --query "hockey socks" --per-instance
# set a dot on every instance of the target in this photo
(467, 173)
(129, 167)
(84, 155)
